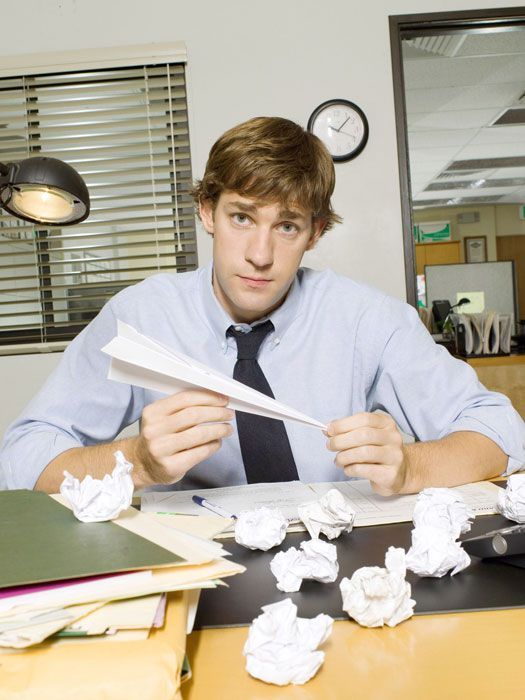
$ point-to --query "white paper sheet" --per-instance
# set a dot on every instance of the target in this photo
(139, 360)
(134, 613)
(371, 509)
(286, 496)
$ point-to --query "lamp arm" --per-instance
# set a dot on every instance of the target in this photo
(6, 172)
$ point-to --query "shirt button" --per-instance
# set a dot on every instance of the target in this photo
(276, 341)
(238, 328)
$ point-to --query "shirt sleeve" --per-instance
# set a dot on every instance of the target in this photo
(76, 407)
(430, 394)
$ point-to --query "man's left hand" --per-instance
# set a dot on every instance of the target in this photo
(370, 446)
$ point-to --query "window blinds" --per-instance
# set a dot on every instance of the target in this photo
(125, 131)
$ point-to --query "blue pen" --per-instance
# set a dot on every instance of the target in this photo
(212, 506)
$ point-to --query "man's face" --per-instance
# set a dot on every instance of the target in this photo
(257, 249)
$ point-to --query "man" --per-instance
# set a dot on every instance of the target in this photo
(335, 350)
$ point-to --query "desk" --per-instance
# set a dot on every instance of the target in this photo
(476, 655)
(442, 656)
(505, 374)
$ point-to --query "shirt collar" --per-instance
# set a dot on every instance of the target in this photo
(220, 321)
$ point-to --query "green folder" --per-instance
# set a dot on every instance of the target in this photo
(41, 540)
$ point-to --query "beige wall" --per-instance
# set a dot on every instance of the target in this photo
(494, 220)
(508, 222)
(244, 59)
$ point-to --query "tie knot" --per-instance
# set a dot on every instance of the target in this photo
(248, 344)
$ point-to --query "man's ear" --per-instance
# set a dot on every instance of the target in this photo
(206, 215)
(317, 230)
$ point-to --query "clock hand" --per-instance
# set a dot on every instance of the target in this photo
(338, 131)
(344, 123)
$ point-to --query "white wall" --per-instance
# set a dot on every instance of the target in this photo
(277, 57)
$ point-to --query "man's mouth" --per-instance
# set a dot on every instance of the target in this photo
(255, 281)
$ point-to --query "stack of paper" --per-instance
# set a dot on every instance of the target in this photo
(487, 333)
(84, 667)
(120, 619)
(57, 573)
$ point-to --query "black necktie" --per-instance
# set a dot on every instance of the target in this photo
(265, 447)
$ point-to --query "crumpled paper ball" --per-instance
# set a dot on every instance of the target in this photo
(331, 515)
(282, 648)
(442, 508)
(435, 553)
(375, 596)
(511, 500)
(315, 560)
(440, 516)
(98, 500)
(262, 528)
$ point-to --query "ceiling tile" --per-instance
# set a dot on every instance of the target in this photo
(458, 98)
(465, 119)
(440, 138)
(473, 82)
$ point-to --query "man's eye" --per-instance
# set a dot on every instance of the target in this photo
(241, 219)
(288, 228)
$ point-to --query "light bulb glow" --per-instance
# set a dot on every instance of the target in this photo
(42, 203)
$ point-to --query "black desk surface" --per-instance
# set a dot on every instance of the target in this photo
(485, 584)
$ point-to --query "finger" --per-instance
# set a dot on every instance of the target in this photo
(195, 415)
(173, 468)
(153, 428)
(368, 454)
(168, 445)
(177, 465)
(184, 399)
(359, 420)
(363, 471)
(381, 478)
(363, 436)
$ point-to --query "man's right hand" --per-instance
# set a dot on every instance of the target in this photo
(177, 433)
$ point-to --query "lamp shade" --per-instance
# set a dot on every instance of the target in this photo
(45, 191)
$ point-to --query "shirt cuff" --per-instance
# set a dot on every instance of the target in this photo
(515, 451)
(514, 465)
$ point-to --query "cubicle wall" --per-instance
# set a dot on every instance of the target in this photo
(496, 280)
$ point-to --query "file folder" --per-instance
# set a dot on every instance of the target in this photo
(41, 540)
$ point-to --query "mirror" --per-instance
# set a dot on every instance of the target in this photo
(459, 89)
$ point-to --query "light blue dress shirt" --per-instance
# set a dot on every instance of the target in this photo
(338, 348)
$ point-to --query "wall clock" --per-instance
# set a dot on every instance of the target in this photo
(342, 126)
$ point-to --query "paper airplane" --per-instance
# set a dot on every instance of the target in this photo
(139, 360)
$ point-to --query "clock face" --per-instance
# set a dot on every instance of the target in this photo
(342, 127)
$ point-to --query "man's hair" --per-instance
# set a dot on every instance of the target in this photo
(271, 159)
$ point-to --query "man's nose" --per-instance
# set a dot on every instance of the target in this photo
(260, 248)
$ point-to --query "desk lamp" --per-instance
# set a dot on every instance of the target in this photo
(43, 190)
(446, 323)
(460, 303)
